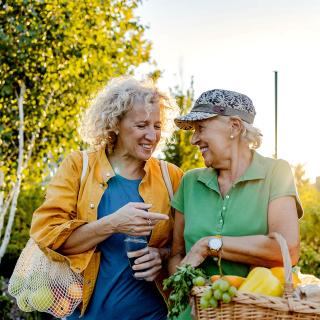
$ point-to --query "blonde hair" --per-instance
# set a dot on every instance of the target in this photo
(101, 119)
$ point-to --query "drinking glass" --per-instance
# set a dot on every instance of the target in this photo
(134, 243)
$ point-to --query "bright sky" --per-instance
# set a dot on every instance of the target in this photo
(237, 45)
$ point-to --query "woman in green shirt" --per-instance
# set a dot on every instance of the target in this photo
(229, 208)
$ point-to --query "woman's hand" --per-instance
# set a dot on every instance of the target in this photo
(134, 219)
(148, 265)
(197, 254)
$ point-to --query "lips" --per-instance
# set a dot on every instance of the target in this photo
(203, 149)
(147, 147)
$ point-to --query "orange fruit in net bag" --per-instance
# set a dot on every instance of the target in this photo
(62, 307)
(75, 291)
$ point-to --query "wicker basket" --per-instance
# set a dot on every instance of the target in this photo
(259, 307)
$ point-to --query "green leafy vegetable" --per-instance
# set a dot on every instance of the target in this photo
(181, 283)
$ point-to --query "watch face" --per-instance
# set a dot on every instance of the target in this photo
(215, 244)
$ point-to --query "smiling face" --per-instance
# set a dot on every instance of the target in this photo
(212, 136)
(139, 132)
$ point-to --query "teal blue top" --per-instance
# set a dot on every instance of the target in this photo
(117, 294)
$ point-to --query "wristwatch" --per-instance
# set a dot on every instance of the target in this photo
(215, 244)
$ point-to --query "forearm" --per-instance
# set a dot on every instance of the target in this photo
(164, 253)
(255, 250)
(88, 236)
(174, 262)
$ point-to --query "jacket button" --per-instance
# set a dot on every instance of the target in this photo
(91, 205)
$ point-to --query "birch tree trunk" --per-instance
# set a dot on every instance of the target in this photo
(16, 189)
(12, 196)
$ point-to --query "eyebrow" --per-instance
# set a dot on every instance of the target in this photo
(146, 121)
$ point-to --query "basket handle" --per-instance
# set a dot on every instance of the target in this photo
(288, 286)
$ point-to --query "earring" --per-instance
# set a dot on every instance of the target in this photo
(232, 136)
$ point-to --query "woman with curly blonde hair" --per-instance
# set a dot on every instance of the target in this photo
(122, 193)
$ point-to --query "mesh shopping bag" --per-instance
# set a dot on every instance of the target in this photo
(41, 284)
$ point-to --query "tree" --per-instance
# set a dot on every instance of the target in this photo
(309, 224)
(310, 230)
(299, 173)
(178, 149)
(14, 192)
(63, 52)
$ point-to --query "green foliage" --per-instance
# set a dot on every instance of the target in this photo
(28, 201)
(178, 149)
(299, 173)
(310, 230)
(64, 51)
(6, 302)
(309, 259)
(181, 283)
(5, 307)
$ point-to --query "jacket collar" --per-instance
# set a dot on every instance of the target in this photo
(255, 171)
(103, 168)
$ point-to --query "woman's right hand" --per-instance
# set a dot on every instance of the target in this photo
(134, 219)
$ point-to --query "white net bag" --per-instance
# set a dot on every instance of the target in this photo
(41, 284)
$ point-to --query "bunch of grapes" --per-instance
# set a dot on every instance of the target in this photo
(220, 290)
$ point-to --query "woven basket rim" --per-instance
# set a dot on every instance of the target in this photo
(275, 303)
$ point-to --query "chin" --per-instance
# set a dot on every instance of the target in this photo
(207, 162)
(144, 156)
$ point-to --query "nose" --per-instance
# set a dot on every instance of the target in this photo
(151, 135)
(195, 138)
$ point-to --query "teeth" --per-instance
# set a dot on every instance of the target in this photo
(203, 149)
(147, 146)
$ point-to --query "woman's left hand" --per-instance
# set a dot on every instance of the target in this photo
(151, 262)
(197, 254)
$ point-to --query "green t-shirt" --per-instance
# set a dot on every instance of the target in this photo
(243, 211)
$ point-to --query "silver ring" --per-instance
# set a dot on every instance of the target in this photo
(149, 222)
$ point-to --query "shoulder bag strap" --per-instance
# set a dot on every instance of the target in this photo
(84, 164)
(166, 177)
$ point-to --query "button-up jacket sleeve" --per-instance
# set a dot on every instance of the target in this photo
(55, 220)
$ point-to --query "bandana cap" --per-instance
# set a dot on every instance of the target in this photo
(218, 102)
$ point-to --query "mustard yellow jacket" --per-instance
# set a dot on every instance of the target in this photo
(70, 204)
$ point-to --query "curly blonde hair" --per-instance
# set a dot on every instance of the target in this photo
(101, 119)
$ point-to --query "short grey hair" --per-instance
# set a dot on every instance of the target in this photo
(250, 134)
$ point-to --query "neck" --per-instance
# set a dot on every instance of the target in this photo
(239, 161)
(126, 166)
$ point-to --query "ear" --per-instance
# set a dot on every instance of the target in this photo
(236, 126)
